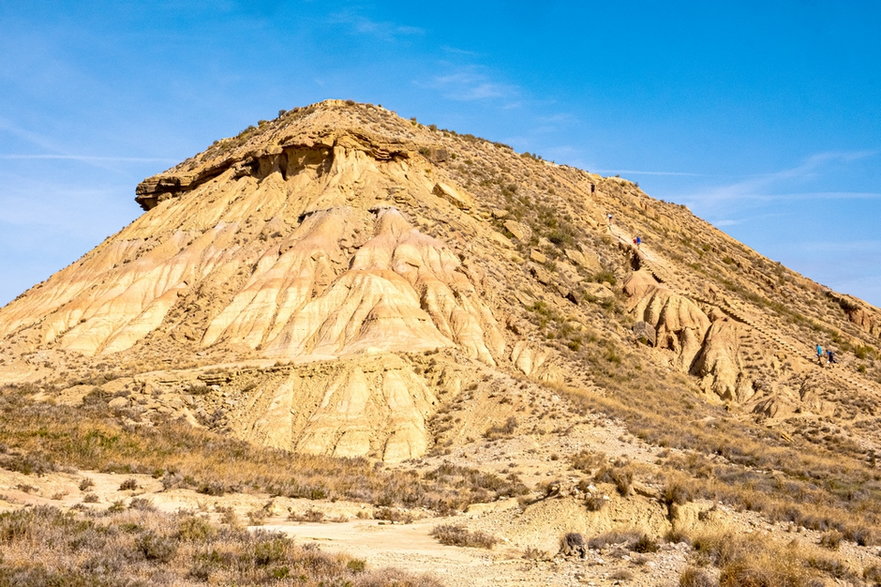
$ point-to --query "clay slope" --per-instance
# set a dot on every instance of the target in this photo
(350, 249)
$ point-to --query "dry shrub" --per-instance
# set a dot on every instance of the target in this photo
(258, 516)
(754, 561)
(39, 438)
(139, 503)
(831, 566)
(675, 536)
(614, 537)
(587, 461)
(310, 515)
(503, 431)
(534, 554)
(621, 575)
(677, 491)
(594, 502)
(645, 543)
(456, 487)
(195, 529)
(872, 574)
(156, 547)
(128, 485)
(44, 546)
(831, 540)
(458, 535)
(572, 543)
(814, 488)
(696, 577)
(620, 473)
(393, 515)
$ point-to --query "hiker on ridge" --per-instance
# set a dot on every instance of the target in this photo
(819, 354)
(830, 354)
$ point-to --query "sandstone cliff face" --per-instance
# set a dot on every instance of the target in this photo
(344, 246)
(365, 407)
(720, 364)
(680, 325)
(304, 258)
(864, 316)
(308, 281)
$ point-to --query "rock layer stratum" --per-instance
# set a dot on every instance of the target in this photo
(333, 280)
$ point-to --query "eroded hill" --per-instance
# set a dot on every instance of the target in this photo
(342, 282)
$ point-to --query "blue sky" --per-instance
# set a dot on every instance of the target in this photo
(762, 117)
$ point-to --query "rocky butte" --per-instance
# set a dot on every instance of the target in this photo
(343, 282)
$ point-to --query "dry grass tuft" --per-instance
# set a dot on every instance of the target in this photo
(735, 462)
(43, 546)
(40, 438)
(696, 577)
(758, 560)
(458, 535)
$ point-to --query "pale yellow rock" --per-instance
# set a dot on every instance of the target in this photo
(538, 256)
(370, 407)
(587, 260)
(519, 230)
(599, 292)
(720, 365)
(535, 362)
(309, 276)
(456, 197)
(679, 323)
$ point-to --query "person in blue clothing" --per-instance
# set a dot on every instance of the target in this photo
(830, 354)
(819, 354)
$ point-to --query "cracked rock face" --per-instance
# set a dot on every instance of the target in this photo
(679, 323)
(720, 365)
(376, 408)
(326, 283)
(303, 259)
(318, 279)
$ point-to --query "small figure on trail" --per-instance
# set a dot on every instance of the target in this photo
(830, 354)
(819, 354)
(637, 241)
(609, 218)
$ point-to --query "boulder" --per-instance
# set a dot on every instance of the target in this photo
(645, 333)
(456, 197)
(680, 325)
(586, 260)
(538, 257)
(599, 292)
(720, 366)
(518, 230)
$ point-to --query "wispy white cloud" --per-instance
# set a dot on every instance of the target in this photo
(383, 30)
(550, 123)
(853, 246)
(642, 172)
(765, 187)
(459, 52)
(42, 142)
(59, 153)
(89, 158)
(558, 118)
(470, 83)
(798, 196)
